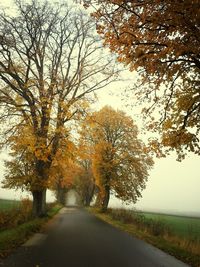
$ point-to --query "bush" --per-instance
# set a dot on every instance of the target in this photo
(15, 216)
(154, 227)
(157, 228)
(11, 237)
(125, 216)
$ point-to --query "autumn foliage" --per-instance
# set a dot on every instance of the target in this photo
(159, 40)
(119, 158)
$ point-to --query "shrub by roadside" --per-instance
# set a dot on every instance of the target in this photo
(12, 217)
(21, 229)
(154, 227)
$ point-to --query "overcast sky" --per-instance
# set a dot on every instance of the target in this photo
(172, 186)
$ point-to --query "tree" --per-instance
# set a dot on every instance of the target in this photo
(20, 167)
(120, 160)
(70, 169)
(160, 40)
(84, 183)
(50, 59)
(63, 169)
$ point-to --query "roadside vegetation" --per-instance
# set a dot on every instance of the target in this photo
(178, 236)
(17, 223)
(6, 204)
(186, 227)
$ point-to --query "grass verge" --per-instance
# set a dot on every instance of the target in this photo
(171, 248)
(12, 238)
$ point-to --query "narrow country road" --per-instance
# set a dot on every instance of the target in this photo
(79, 239)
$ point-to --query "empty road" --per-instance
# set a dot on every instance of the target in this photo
(79, 239)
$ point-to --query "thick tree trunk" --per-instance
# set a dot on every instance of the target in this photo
(39, 203)
(39, 194)
(106, 198)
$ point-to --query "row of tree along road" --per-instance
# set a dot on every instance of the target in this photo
(51, 62)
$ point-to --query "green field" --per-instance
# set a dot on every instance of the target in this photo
(6, 204)
(182, 226)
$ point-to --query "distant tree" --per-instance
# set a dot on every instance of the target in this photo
(160, 40)
(72, 174)
(84, 182)
(120, 160)
(50, 59)
(63, 169)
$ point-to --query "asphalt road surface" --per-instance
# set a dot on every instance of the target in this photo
(79, 239)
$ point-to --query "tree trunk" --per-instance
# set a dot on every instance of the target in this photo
(98, 200)
(106, 198)
(89, 195)
(39, 194)
(61, 195)
(87, 201)
(39, 203)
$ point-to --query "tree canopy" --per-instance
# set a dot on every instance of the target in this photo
(160, 40)
(119, 158)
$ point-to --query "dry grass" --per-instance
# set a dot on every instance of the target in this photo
(192, 246)
(10, 218)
